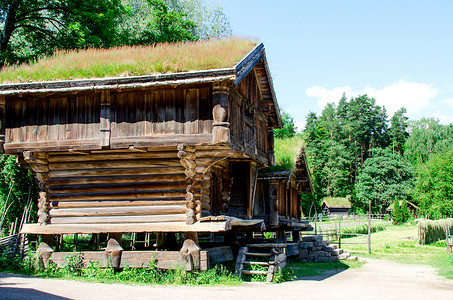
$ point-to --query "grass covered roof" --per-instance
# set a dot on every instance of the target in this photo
(337, 202)
(132, 61)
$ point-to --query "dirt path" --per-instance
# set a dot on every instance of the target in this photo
(375, 280)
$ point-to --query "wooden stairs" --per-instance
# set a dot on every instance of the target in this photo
(270, 256)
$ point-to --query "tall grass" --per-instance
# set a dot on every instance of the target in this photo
(286, 153)
(363, 229)
(430, 231)
(132, 61)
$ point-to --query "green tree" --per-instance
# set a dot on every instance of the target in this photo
(385, 177)
(38, 27)
(288, 129)
(401, 213)
(427, 137)
(434, 185)
(210, 18)
(398, 130)
(17, 185)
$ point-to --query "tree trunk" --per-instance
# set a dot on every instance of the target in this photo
(8, 29)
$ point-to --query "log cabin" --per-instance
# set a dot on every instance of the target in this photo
(158, 153)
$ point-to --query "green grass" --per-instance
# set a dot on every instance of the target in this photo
(132, 61)
(286, 153)
(399, 243)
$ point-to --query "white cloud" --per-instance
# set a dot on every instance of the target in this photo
(414, 96)
(327, 96)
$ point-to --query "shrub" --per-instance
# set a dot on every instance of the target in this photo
(401, 213)
(430, 231)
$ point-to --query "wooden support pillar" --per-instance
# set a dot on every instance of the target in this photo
(221, 125)
(45, 250)
(43, 209)
(270, 147)
(2, 122)
(281, 236)
(296, 236)
(253, 180)
(189, 255)
(114, 250)
(273, 198)
(187, 157)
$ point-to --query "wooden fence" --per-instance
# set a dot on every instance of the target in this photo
(330, 227)
(13, 245)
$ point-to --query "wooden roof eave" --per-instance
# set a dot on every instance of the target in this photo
(172, 79)
(303, 159)
(246, 65)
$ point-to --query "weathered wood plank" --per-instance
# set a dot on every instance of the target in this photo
(70, 181)
(131, 195)
(119, 219)
(126, 163)
(119, 203)
(126, 227)
(112, 172)
(115, 211)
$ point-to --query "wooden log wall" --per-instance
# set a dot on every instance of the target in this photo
(166, 184)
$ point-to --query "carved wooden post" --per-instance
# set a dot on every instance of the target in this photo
(45, 250)
(43, 209)
(2, 122)
(114, 250)
(38, 162)
(221, 126)
(189, 255)
(187, 157)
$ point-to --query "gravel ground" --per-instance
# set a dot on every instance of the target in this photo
(378, 279)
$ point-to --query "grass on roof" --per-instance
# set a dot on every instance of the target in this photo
(286, 153)
(337, 201)
(132, 61)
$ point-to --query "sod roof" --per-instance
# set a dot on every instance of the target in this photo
(337, 202)
(132, 61)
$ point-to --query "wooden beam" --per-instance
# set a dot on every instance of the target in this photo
(115, 211)
(219, 226)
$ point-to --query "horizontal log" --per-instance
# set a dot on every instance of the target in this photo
(219, 226)
(112, 156)
(114, 179)
(117, 172)
(160, 140)
(133, 195)
(135, 259)
(132, 186)
(119, 219)
(118, 203)
(15, 148)
(119, 164)
(118, 211)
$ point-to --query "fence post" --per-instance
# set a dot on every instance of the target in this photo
(369, 234)
(339, 232)
(316, 227)
(447, 234)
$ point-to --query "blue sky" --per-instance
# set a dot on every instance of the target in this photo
(399, 52)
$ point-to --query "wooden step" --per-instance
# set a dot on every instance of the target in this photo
(259, 263)
(268, 245)
(257, 254)
(254, 272)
